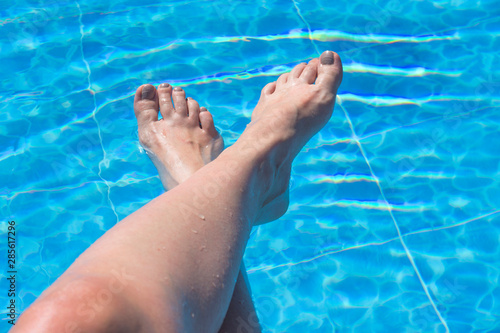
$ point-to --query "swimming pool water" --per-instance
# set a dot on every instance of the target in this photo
(394, 220)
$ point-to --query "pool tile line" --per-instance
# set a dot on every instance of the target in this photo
(23, 96)
(93, 93)
(328, 36)
(400, 237)
(308, 27)
(456, 33)
(374, 205)
(118, 183)
(322, 35)
(360, 246)
(440, 117)
(278, 69)
(288, 264)
(476, 218)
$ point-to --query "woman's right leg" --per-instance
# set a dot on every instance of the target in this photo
(179, 255)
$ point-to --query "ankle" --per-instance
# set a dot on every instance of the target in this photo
(266, 166)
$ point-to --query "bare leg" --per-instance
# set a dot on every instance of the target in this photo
(241, 315)
(179, 144)
(179, 255)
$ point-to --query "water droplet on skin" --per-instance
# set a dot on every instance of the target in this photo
(163, 247)
(201, 217)
(202, 248)
(194, 231)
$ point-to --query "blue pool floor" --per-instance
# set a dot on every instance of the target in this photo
(394, 222)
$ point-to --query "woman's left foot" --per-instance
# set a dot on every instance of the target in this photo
(183, 141)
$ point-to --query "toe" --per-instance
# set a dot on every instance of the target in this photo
(310, 72)
(269, 88)
(329, 71)
(207, 123)
(180, 104)
(193, 110)
(146, 104)
(282, 79)
(165, 100)
(297, 70)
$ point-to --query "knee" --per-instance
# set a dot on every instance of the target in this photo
(81, 305)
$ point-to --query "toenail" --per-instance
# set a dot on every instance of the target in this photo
(327, 58)
(148, 92)
(178, 89)
(165, 85)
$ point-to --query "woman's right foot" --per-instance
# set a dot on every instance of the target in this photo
(290, 111)
(300, 102)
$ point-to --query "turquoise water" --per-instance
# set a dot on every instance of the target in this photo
(394, 223)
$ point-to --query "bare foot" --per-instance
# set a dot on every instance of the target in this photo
(290, 111)
(180, 143)
(301, 102)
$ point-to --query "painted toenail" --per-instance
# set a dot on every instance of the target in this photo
(327, 58)
(148, 92)
(178, 89)
(165, 85)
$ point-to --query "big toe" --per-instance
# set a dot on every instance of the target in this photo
(329, 71)
(146, 104)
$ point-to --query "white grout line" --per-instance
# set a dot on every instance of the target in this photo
(94, 111)
(407, 251)
(308, 27)
(251, 270)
